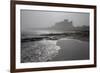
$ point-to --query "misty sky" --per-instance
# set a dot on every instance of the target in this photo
(43, 19)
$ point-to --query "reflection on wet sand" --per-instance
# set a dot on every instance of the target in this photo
(72, 49)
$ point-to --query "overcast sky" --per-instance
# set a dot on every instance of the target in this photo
(42, 19)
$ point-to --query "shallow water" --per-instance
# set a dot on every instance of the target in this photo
(54, 50)
(39, 51)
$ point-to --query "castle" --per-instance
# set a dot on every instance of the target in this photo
(64, 25)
